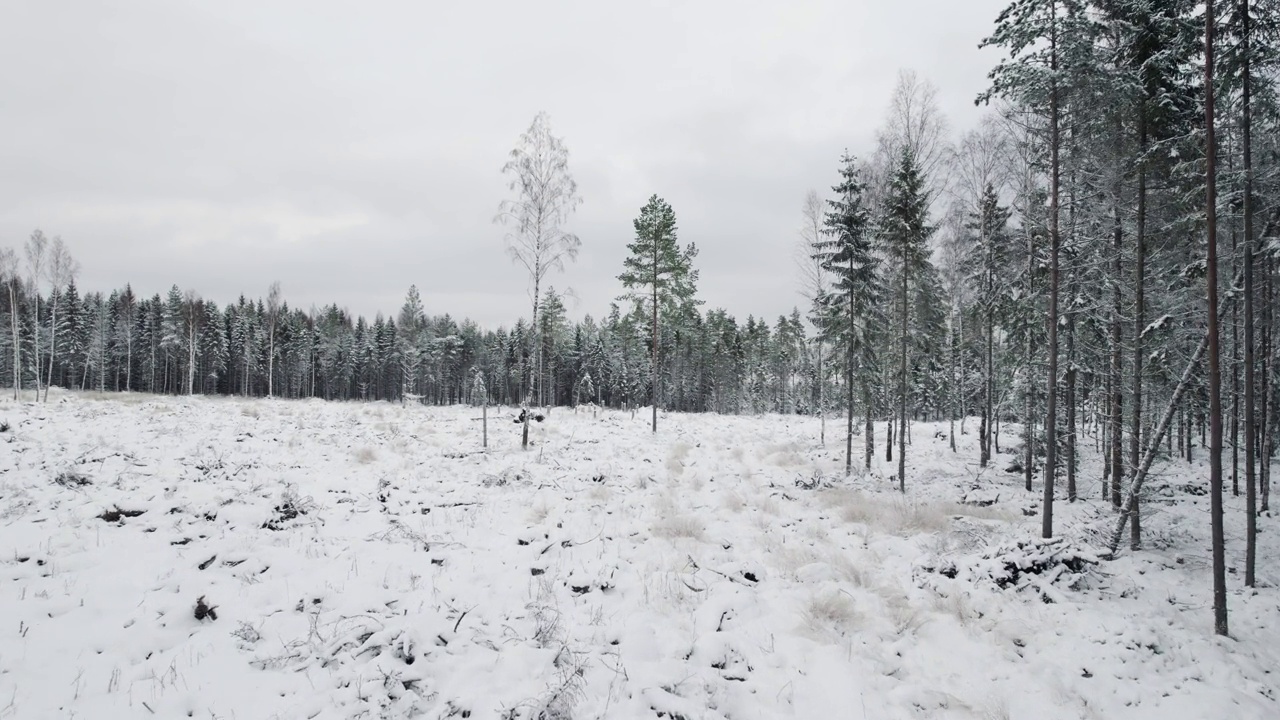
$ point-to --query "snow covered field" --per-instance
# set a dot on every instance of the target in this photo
(368, 560)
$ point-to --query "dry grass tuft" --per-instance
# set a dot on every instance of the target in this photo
(832, 612)
(733, 501)
(675, 458)
(679, 526)
(956, 605)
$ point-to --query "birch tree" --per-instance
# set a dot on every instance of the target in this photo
(546, 195)
(812, 285)
(36, 249)
(273, 314)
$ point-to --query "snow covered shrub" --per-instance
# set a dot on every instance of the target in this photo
(72, 479)
(566, 690)
(247, 633)
(290, 507)
(203, 610)
(1043, 566)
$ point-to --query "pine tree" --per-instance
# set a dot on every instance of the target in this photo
(659, 264)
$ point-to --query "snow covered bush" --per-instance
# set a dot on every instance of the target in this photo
(1042, 566)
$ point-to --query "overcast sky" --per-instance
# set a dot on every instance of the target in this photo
(351, 149)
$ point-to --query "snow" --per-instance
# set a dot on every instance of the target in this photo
(369, 560)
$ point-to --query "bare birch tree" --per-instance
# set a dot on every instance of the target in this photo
(812, 284)
(915, 122)
(273, 313)
(546, 195)
(37, 249)
(192, 315)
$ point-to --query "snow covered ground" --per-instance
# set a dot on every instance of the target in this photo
(368, 560)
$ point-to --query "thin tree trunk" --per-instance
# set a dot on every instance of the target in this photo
(53, 342)
(653, 370)
(1215, 378)
(17, 343)
(902, 389)
(35, 333)
(1139, 317)
(888, 444)
(848, 384)
(1251, 491)
(1266, 405)
(1051, 400)
(1106, 442)
(1117, 359)
(958, 390)
(822, 414)
(869, 430)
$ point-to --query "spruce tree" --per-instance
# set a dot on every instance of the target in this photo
(905, 230)
(988, 253)
(845, 252)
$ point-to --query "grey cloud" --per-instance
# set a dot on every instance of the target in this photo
(349, 151)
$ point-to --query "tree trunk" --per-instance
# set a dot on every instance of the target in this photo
(1051, 400)
(822, 414)
(1266, 405)
(191, 359)
(653, 370)
(958, 390)
(53, 342)
(1215, 378)
(1117, 360)
(1250, 450)
(35, 332)
(848, 384)
(271, 359)
(17, 344)
(902, 388)
(988, 382)
(888, 444)
(1139, 316)
(869, 430)
(1106, 442)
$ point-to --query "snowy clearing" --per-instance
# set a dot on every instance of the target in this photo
(368, 560)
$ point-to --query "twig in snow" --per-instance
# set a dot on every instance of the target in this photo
(464, 614)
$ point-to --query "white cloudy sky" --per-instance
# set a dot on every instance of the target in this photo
(351, 149)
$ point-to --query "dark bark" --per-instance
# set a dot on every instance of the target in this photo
(1215, 377)
(1051, 399)
(1251, 493)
